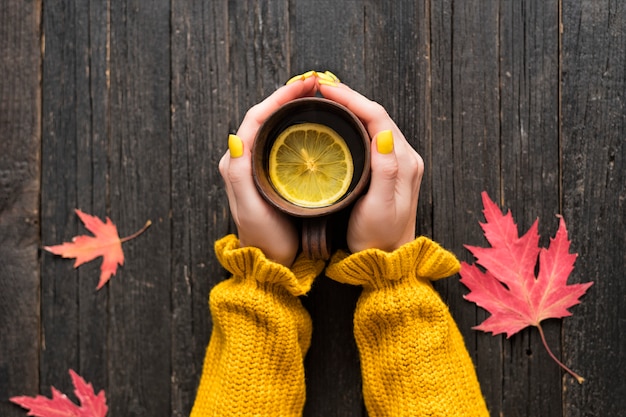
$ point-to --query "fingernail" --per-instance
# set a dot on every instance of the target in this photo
(333, 76)
(326, 82)
(294, 79)
(384, 142)
(324, 76)
(235, 146)
(300, 77)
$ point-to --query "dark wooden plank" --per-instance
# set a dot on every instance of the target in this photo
(75, 176)
(330, 36)
(594, 197)
(465, 156)
(59, 282)
(20, 133)
(201, 108)
(139, 338)
(397, 41)
(529, 148)
(259, 47)
(92, 172)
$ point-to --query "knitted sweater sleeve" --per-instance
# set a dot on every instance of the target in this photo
(413, 357)
(261, 332)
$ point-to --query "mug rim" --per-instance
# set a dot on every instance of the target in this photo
(262, 182)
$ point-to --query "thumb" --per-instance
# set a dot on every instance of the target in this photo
(239, 168)
(239, 175)
(384, 168)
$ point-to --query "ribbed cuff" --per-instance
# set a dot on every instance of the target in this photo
(251, 263)
(375, 268)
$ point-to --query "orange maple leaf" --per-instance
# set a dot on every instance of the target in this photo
(105, 242)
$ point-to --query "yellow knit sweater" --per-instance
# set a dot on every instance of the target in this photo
(413, 358)
(261, 333)
(414, 362)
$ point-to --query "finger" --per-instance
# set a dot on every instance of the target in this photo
(258, 113)
(372, 114)
(396, 174)
(224, 167)
(384, 171)
(239, 177)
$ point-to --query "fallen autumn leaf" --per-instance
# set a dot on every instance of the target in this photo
(105, 242)
(508, 288)
(91, 405)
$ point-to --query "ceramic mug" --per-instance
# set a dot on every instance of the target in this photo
(316, 239)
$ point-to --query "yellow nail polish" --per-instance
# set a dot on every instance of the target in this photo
(333, 76)
(294, 79)
(235, 146)
(324, 76)
(299, 77)
(326, 82)
(385, 142)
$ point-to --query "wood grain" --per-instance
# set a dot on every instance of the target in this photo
(140, 334)
(123, 108)
(20, 170)
(201, 121)
(593, 135)
(529, 182)
(60, 285)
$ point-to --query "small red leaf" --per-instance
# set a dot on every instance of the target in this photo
(105, 243)
(509, 289)
(91, 405)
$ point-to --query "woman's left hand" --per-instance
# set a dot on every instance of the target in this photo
(384, 218)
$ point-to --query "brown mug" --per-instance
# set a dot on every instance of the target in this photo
(316, 240)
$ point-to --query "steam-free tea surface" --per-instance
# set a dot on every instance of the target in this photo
(310, 165)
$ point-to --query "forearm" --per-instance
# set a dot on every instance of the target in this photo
(261, 332)
(413, 358)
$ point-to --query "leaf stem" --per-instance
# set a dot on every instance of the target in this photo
(579, 378)
(137, 233)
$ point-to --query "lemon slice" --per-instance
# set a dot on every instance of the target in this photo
(310, 165)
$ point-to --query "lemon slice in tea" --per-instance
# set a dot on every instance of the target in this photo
(310, 165)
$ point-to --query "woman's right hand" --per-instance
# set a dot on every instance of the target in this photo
(259, 224)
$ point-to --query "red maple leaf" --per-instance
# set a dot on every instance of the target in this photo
(509, 289)
(91, 405)
(105, 242)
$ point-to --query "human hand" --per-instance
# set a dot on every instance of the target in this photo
(259, 224)
(384, 217)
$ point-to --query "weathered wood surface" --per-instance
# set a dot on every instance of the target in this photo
(594, 200)
(122, 109)
(20, 139)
